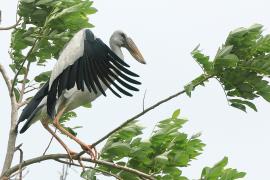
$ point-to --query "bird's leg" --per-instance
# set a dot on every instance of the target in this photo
(88, 148)
(81, 164)
(70, 152)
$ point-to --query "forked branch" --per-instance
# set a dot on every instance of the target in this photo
(15, 168)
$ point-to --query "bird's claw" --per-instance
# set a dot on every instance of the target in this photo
(71, 154)
(89, 149)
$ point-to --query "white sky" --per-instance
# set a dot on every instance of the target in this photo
(166, 32)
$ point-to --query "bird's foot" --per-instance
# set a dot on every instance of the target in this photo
(71, 155)
(81, 164)
(89, 149)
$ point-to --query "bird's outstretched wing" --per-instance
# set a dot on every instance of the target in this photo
(86, 62)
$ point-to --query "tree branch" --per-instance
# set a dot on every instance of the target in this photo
(24, 82)
(10, 27)
(144, 112)
(23, 103)
(89, 167)
(18, 148)
(18, 72)
(13, 120)
(39, 159)
(50, 142)
(6, 78)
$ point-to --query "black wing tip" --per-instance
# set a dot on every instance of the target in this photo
(22, 130)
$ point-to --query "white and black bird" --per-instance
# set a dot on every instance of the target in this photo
(85, 69)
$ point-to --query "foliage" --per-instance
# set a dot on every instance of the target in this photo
(46, 26)
(219, 172)
(162, 155)
(241, 65)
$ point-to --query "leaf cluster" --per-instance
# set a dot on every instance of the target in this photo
(241, 65)
(219, 172)
(162, 155)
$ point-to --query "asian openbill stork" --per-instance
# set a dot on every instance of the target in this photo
(85, 69)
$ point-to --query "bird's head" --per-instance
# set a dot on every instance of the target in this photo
(120, 39)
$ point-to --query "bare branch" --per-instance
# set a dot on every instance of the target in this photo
(10, 27)
(6, 78)
(18, 148)
(50, 142)
(39, 159)
(64, 172)
(89, 167)
(144, 95)
(12, 131)
(24, 81)
(30, 90)
(23, 103)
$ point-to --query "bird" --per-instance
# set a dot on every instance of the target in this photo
(85, 69)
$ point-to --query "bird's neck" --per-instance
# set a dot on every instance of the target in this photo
(117, 50)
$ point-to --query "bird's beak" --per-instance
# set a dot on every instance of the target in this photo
(134, 51)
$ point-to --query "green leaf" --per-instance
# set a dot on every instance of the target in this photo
(87, 105)
(119, 149)
(188, 89)
(226, 50)
(248, 103)
(17, 94)
(27, 1)
(194, 83)
(67, 116)
(40, 2)
(43, 77)
(75, 8)
(176, 113)
(203, 60)
(229, 60)
(239, 106)
(89, 174)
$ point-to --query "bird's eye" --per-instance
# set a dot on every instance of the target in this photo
(123, 35)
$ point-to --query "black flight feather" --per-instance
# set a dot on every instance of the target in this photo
(31, 107)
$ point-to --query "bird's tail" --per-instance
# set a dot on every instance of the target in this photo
(32, 107)
(30, 120)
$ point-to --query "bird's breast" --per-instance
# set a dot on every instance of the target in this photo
(75, 98)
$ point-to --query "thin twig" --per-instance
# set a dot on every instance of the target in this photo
(18, 148)
(89, 167)
(24, 81)
(137, 116)
(6, 78)
(10, 27)
(14, 175)
(64, 173)
(144, 95)
(23, 103)
(18, 72)
(30, 90)
(39, 159)
(50, 142)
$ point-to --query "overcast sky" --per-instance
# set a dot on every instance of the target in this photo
(166, 32)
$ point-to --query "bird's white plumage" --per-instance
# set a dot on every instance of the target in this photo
(73, 50)
(72, 98)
